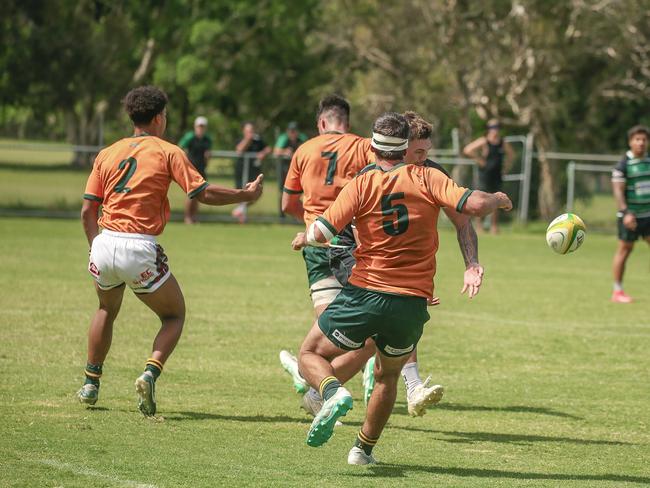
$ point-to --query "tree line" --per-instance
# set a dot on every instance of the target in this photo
(575, 73)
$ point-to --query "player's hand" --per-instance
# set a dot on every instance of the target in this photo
(504, 201)
(472, 280)
(254, 189)
(299, 241)
(433, 301)
(629, 221)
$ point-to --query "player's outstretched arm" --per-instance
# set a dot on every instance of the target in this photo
(89, 216)
(480, 203)
(468, 243)
(219, 195)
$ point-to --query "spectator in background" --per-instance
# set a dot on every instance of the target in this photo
(288, 142)
(197, 145)
(249, 143)
(494, 157)
(285, 146)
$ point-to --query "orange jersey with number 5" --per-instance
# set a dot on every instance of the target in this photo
(322, 166)
(131, 178)
(396, 214)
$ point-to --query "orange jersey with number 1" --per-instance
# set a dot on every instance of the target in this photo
(322, 166)
(396, 214)
(131, 179)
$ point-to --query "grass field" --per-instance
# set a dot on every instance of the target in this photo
(546, 380)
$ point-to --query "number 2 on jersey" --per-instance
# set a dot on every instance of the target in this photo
(121, 187)
(331, 167)
(388, 208)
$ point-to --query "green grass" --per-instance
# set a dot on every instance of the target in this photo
(546, 380)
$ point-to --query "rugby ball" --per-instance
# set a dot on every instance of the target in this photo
(566, 233)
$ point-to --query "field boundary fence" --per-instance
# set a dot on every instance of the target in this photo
(277, 166)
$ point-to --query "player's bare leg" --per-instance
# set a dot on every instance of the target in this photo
(168, 303)
(623, 251)
(314, 361)
(100, 336)
(380, 407)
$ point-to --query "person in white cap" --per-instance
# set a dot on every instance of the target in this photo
(197, 145)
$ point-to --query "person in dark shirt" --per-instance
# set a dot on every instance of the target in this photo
(197, 145)
(250, 142)
(494, 157)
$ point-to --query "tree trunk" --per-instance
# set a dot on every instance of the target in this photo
(548, 200)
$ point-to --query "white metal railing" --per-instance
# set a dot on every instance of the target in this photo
(571, 169)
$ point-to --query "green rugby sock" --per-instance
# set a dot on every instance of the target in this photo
(364, 442)
(93, 374)
(328, 387)
(154, 367)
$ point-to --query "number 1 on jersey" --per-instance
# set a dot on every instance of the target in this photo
(331, 167)
(120, 187)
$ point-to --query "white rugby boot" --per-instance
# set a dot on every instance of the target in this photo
(359, 457)
(290, 365)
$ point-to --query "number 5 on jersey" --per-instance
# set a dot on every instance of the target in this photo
(399, 213)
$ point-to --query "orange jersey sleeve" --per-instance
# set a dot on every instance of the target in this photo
(94, 189)
(292, 183)
(185, 174)
(444, 191)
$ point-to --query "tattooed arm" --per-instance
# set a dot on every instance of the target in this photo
(468, 243)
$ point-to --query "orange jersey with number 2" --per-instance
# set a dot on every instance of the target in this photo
(131, 179)
(322, 166)
(396, 214)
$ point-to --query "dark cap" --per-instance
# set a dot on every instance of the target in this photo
(292, 125)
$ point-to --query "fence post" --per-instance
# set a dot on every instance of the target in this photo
(246, 170)
(279, 160)
(571, 183)
(528, 170)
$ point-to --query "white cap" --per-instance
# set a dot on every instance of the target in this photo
(200, 121)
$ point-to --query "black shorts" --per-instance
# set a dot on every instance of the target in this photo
(642, 230)
(490, 185)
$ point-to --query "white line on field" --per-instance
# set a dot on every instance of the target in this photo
(83, 471)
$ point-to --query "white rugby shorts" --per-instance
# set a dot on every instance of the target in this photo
(135, 259)
(324, 291)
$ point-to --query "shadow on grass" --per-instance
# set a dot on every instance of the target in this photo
(449, 436)
(400, 470)
(457, 437)
(183, 416)
(401, 409)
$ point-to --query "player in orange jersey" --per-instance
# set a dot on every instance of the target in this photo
(130, 180)
(395, 207)
(319, 170)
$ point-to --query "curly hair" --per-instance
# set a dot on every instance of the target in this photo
(419, 128)
(143, 103)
